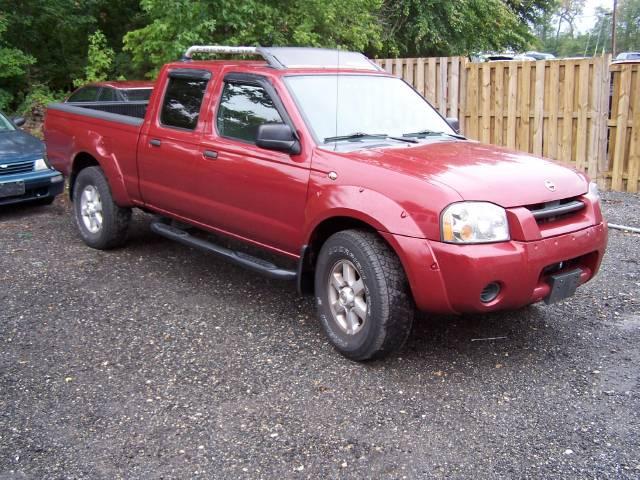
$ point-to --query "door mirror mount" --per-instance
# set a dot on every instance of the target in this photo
(279, 137)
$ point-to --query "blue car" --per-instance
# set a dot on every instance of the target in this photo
(25, 174)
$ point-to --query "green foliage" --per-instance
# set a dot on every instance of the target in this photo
(628, 24)
(56, 43)
(6, 98)
(56, 33)
(563, 41)
(13, 62)
(14, 65)
(38, 98)
(417, 27)
(99, 62)
(174, 25)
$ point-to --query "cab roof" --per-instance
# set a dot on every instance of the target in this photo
(263, 68)
(124, 84)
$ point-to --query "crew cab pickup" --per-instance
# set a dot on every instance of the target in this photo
(337, 167)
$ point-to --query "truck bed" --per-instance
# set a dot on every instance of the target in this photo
(72, 130)
(129, 109)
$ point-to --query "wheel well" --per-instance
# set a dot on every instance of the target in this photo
(82, 161)
(320, 235)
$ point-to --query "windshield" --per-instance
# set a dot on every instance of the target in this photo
(5, 124)
(344, 105)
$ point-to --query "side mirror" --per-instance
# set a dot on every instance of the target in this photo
(18, 121)
(277, 136)
(454, 123)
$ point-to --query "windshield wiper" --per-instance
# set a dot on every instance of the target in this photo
(356, 135)
(432, 133)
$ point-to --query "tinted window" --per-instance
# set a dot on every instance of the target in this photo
(86, 94)
(5, 124)
(182, 101)
(107, 95)
(137, 94)
(243, 108)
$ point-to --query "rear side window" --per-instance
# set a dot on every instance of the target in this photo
(85, 94)
(137, 94)
(182, 102)
(243, 108)
(107, 95)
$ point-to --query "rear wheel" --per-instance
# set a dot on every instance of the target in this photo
(102, 223)
(362, 295)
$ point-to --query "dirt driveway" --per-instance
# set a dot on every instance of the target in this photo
(157, 361)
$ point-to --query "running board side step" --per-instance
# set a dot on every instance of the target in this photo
(258, 265)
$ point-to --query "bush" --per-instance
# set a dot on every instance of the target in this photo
(37, 100)
(34, 105)
(99, 60)
(5, 100)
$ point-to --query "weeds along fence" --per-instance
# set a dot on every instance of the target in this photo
(582, 111)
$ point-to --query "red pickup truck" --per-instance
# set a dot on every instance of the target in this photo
(345, 171)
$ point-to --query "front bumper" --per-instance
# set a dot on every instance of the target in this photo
(38, 186)
(448, 278)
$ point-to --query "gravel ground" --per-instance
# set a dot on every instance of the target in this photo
(157, 361)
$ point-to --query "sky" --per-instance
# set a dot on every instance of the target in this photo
(588, 15)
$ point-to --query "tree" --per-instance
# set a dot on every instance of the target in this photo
(598, 39)
(99, 62)
(174, 25)
(417, 27)
(56, 33)
(567, 14)
(13, 66)
(628, 26)
(54, 42)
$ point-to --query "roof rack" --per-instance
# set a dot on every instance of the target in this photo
(292, 57)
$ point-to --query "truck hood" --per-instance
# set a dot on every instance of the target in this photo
(481, 172)
(17, 145)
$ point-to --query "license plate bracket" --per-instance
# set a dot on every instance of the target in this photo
(12, 189)
(563, 285)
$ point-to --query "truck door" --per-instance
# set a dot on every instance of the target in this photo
(256, 194)
(169, 154)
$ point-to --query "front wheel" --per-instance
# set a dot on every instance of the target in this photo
(102, 223)
(362, 295)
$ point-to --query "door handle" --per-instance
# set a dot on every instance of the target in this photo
(155, 142)
(211, 154)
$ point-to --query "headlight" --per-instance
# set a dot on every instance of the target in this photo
(474, 222)
(594, 191)
(41, 164)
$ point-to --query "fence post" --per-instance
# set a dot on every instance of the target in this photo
(538, 113)
(634, 147)
(605, 92)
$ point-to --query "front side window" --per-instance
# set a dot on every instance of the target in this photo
(182, 102)
(243, 108)
(343, 105)
(85, 94)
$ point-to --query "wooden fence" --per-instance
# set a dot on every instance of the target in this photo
(568, 110)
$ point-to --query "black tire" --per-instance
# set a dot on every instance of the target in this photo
(389, 306)
(115, 220)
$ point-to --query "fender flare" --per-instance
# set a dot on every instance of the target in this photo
(365, 205)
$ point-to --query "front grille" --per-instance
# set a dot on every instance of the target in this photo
(556, 210)
(19, 167)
